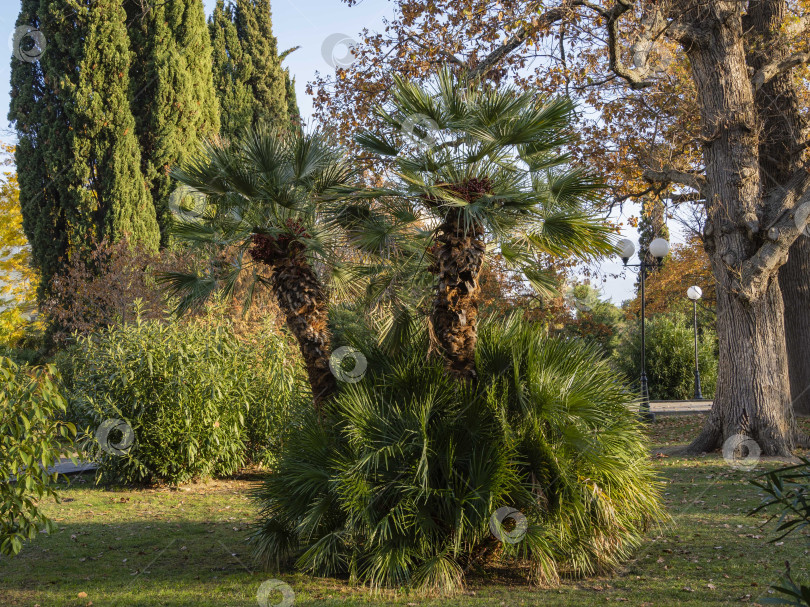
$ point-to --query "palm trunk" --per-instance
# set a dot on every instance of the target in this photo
(301, 297)
(454, 317)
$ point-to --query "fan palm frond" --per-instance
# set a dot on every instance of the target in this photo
(511, 142)
(402, 486)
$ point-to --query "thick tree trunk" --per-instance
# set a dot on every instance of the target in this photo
(301, 297)
(454, 317)
(781, 146)
(794, 279)
(752, 398)
(753, 394)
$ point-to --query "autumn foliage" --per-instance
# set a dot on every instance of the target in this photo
(686, 265)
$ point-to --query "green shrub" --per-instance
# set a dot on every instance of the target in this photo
(670, 357)
(788, 489)
(31, 441)
(199, 401)
(398, 486)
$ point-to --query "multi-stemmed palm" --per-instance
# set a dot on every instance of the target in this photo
(471, 171)
(260, 220)
(475, 170)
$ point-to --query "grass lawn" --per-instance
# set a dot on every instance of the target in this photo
(186, 546)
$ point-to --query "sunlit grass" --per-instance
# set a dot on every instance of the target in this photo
(178, 547)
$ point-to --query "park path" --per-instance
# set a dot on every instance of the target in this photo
(680, 407)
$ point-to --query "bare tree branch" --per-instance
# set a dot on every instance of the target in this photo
(636, 77)
(691, 180)
(521, 35)
(794, 201)
(771, 70)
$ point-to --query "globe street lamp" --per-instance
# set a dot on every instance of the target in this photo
(695, 293)
(658, 249)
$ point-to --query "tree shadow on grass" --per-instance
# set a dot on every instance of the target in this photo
(711, 554)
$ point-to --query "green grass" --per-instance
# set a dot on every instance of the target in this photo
(178, 547)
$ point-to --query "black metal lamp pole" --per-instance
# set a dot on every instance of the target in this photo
(694, 293)
(644, 410)
(659, 249)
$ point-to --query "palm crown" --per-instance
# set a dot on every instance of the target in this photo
(475, 170)
(261, 208)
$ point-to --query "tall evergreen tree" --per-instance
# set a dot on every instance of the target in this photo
(255, 27)
(32, 114)
(173, 96)
(233, 68)
(293, 112)
(78, 157)
(252, 86)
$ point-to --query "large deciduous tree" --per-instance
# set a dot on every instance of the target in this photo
(775, 43)
(751, 208)
(695, 104)
(78, 157)
(172, 97)
(18, 277)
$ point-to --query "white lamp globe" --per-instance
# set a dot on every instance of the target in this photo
(694, 293)
(626, 248)
(659, 248)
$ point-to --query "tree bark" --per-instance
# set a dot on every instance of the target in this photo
(782, 135)
(302, 299)
(753, 398)
(454, 317)
(794, 279)
(753, 395)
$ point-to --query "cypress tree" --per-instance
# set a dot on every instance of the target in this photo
(247, 67)
(173, 96)
(254, 25)
(293, 113)
(78, 157)
(232, 71)
(31, 112)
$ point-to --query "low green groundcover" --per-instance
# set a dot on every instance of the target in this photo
(412, 479)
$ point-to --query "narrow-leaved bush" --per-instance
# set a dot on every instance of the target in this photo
(199, 402)
(32, 440)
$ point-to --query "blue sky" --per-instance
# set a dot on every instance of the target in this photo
(304, 23)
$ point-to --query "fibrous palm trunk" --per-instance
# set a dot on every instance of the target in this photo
(454, 317)
(301, 297)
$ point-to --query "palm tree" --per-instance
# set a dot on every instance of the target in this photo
(261, 198)
(480, 170)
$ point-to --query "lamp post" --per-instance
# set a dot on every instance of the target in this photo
(695, 293)
(659, 249)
